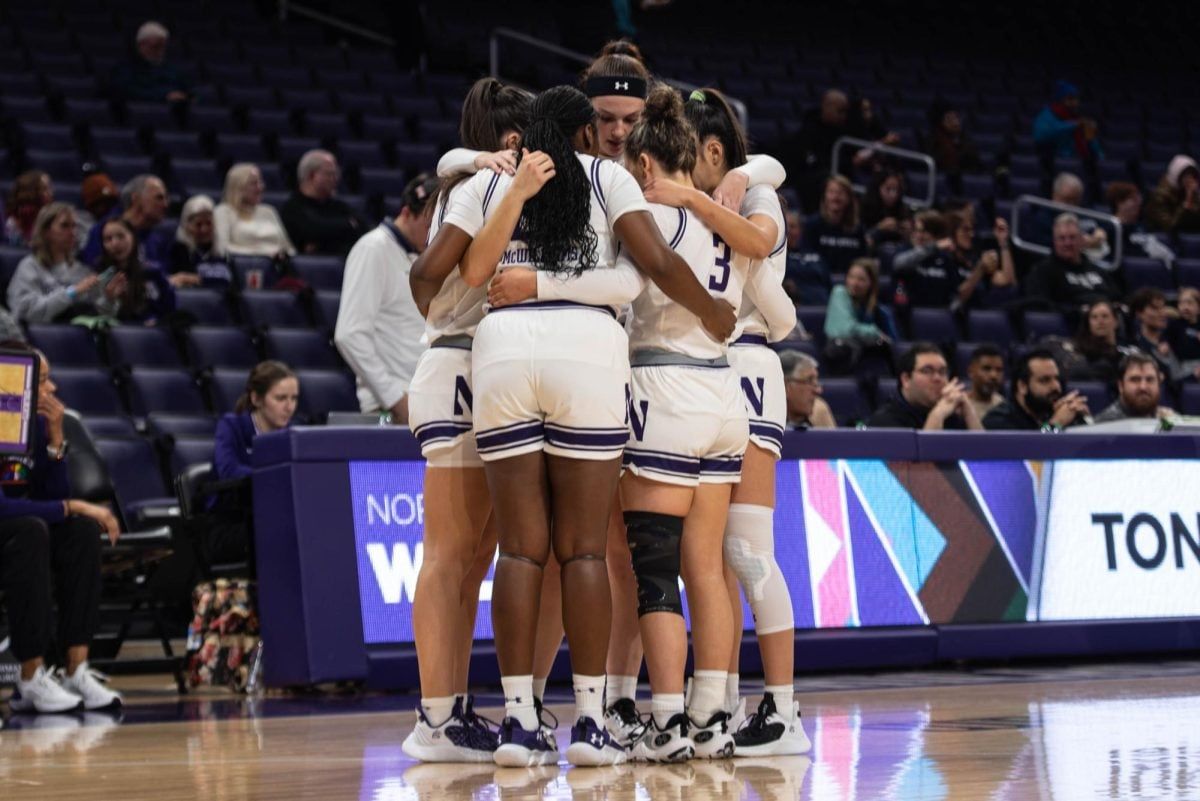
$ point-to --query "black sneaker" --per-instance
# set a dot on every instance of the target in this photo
(767, 733)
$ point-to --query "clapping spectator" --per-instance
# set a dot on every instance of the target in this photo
(1125, 200)
(1037, 401)
(30, 193)
(1068, 279)
(1185, 332)
(194, 260)
(835, 233)
(245, 226)
(951, 148)
(144, 204)
(143, 293)
(1174, 206)
(806, 276)
(928, 399)
(1149, 308)
(805, 406)
(885, 215)
(147, 75)
(1059, 130)
(316, 221)
(51, 284)
(1139, 390)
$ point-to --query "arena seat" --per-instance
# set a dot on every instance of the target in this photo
(327, 303)
(136, 485)
(226, 386)
(846, 400)
(65, 345)
(161, 389)
(189, 450)
(933, 325)
(324, 391)
(1040, 324)
(320, 272)
(221, 346)
(163, 424)
(138, 346)
(269, 308)
(208, 306)
(989, 325)
(302, 348)
(88, 390)
(1140, 272)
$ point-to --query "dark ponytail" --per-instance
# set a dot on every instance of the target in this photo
(264, 376)
(711, 115)
(490, 109)
(557, 220)
(663, 133)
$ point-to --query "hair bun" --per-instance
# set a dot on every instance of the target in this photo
(663, 104)
(622, 47)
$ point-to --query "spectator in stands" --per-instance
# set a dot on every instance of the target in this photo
(1068, 279)
(316, 221)
(267, 404)
(1174, 206)
(835, 233)
(1125, 201)
(379, 327)
(244, 225)
(1139, 391)
(1037, 402)
(951, 277)
(986, 373)
(50, 550)
(1096, 349)
(805, 406)
(147, 75)
(885, 215)
(929, 400)
(99, 195)
(1149, 308)
(855, 324)
(953, 151)
(143, 293)
(1185, 333)
(144, 200)
(30, 193)
(812, 160)
(50, 284)
(806, 275)
(194, 260)
(929, 227)
(1059, 130)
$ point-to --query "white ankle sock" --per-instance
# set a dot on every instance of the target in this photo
(708, 695)
(663, 706)
(589, 697)
(539, 689)
(784, 696)
(437, 710)
(732, 692)
(518, 700)
(621, 687)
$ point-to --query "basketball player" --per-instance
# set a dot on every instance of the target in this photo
(458, 548)
(550, 377)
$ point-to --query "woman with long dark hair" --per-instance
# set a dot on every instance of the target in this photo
(143, 294)
(458, 543)
(550, 377)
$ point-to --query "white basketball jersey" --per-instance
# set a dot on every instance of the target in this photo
(761, 200)
(656, 321)
(456, 308)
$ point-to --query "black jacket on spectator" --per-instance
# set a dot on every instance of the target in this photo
(1185, 340)
(213, 269)
(933, 281)
(809, 276)
(322, 226)
(835, 245)
(1070, 286)
(1008, 416)
(899, 413)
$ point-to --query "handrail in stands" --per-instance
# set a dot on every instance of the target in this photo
(517, 36)
(898, 152)
(286, 7)
(1117, 245)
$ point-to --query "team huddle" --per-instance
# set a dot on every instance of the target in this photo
(602, 279)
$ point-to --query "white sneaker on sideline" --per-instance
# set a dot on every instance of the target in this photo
(88, 685)
(44, 694)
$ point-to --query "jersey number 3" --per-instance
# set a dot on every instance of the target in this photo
(720, 277)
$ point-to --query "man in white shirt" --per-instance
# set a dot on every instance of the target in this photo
(379, 328)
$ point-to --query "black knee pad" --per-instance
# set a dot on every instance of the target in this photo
(654, 544)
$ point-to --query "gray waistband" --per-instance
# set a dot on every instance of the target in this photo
(652, 357)
(460, 341)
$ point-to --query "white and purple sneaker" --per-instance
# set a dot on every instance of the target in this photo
(592, 745)
(520, 748)
(457, 739)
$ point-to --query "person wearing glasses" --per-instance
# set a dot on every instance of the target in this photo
(805, 406)
(928, 399)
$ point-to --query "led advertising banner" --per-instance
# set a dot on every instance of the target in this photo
(874, 543)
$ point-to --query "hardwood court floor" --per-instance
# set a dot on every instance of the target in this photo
(1117, 731)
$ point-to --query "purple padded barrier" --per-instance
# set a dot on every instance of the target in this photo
(949, 446)
(336, 444)
(1009, 640)
(893, 445)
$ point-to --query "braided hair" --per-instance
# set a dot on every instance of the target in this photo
(556, 223)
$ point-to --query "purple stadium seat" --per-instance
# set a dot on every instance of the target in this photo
(419, 107)
(1040, 324)
(123, 168)
(1189, 246)
(267, 308)
(138, 346)
(221, 346)
(65, 345)
(325, 391)
(1097, 394)
(306, 100)
(108, 142)
(988, 325)
(86, 111)
(133, 467)
(813, 318)
(154, 116)
(221, 65)
(88, 390)
(208, 306)
(46, 137)
(287, 77)
(157, 389)
(251, 97)
(187, 451)
(214, 119)
(327, 303)
(226, 386)
(302, 348)
(334, 126)
(934, 325)
(63, 165)
(1189, 398)
(845, 399)
(361, 154)
(1188, 272)
(30, 109)
(1141, 272)
(381, 181)
(159, 424)
(109, 426)
(266, 121)
(321, 272)
(344, 80)
(363, 102)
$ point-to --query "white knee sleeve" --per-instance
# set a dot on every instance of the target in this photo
(750, 552)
